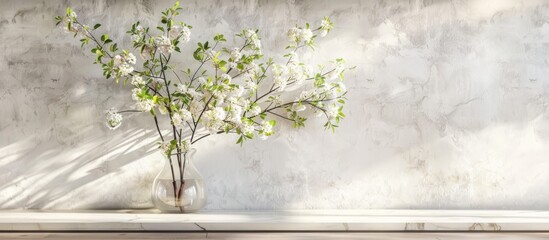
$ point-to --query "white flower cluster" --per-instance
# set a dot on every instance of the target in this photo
(185, 146)
(181, 32)
(164, 44)
(166, 148)
(255, 42)
(114, 119)
(299, 35)
(179, 118)
(142, 103)
(230, 100)
(294, 73)
(266, 129)
(139, 34)
(235, 56)
(124, 62)
(137, 81)
(214, 119)
(325, 26)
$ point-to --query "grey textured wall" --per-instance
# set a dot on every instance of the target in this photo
(448, 108)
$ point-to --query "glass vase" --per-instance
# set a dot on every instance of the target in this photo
(179, 187)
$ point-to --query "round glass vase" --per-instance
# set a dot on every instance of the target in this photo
(179, 188)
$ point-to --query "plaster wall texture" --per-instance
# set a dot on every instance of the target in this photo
(448, 108)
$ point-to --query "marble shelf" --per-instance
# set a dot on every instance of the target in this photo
(295, 220)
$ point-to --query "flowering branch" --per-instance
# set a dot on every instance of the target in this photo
(212, 99)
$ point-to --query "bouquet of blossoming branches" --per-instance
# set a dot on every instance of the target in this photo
(233, 90)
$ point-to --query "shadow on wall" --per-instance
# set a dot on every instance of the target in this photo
(88, 174)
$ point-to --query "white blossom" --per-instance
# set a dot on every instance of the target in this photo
(114, 119)
(232, 100)
(186, 115)
(196, 108)
(256, 44)
(252, 85)
(137, 81)
(249, 33)
(130, 58)
(194, 94)
(226, 77)
(332, 111)
(213, 119)
(125, 69)
(166, 148)
(296, 73)
(136, 38)
(325, 24)
(185, 34)
(275, 99)
(177, 120)
(236, 54)
(306, 35)
(183, 88)
(279, 69)
(235, 114)
(255, 110)
(294, 33)
(238, 91)
(135, 94)
(280, 83)
(244, 103)
(211, 54)
(325, 27)
(164, 44)
(185, 145)
(266, 129)
(73, 16)
(293, 57)
(146, 52)
(246, 128)
(118, 60)
(145, 105)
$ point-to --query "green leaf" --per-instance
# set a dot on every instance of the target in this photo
(96, 26)
(319, 80)
(104, 37)
(198, 55)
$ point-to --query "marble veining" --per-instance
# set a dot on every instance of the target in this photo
(448, 108)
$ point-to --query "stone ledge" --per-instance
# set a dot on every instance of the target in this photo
(294, 220)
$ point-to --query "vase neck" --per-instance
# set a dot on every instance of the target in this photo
(181, 164)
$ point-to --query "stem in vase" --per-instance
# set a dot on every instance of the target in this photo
(182, 182)
(173, 181)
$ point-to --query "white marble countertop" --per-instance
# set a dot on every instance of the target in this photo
(295, 220)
